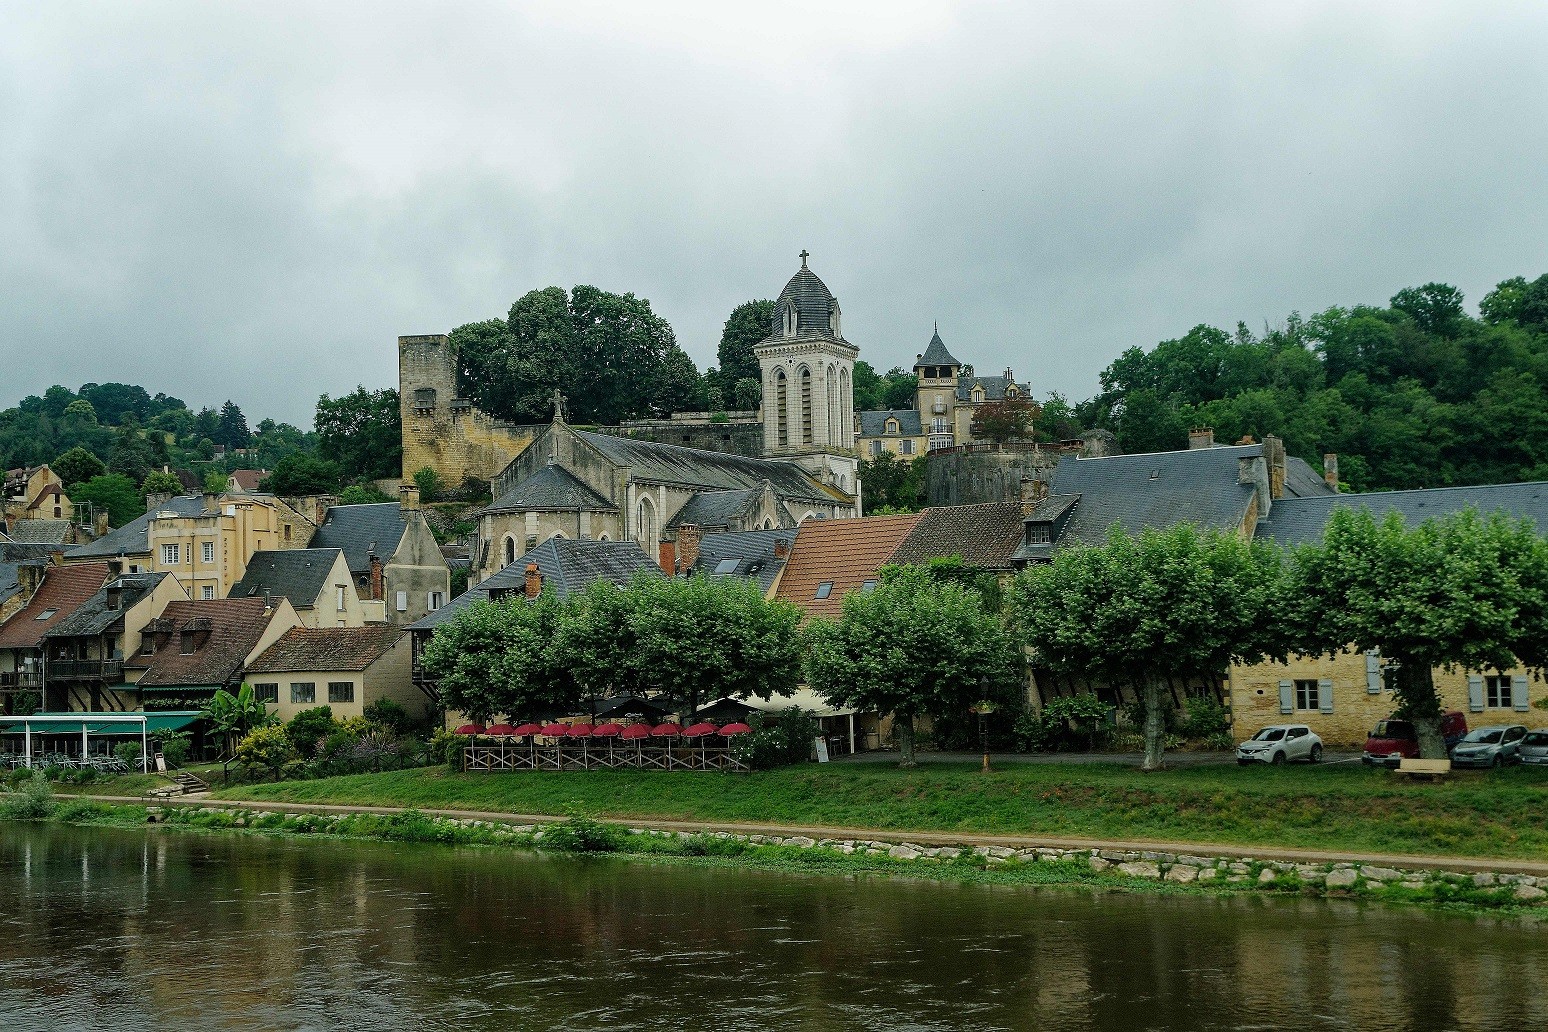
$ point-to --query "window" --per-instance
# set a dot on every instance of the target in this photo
(46, 614)
(207, 552)
(170, 555)
(267, 692)
(908, 447)
(825, 589)
(341, 691)
(303, 691)
(892, 426)
(1039, 533)
(207, 592)
(726, 566)
(876, 448)
(868, 586)
(437, 599)
(510, 550)
(401, 601)
(1497, 691)
(1307, 695)
(338, 597)
(287, 532)
(147, 646)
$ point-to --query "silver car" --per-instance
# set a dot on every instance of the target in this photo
(1280, 743)
(1489, 746)
(1534, 747)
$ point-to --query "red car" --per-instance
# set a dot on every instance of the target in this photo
(1393, 740)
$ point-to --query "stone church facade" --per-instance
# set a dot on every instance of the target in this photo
(627, 483)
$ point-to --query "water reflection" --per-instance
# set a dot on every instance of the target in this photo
(127, 930)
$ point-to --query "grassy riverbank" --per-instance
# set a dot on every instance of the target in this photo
(1347, 808)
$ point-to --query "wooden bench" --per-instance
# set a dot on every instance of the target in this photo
(1424, 769)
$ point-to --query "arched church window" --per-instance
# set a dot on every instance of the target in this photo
(510, 550)
(807, 436)
(645, 525)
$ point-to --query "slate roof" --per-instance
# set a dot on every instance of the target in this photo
(715, 508)
(95, 616)
(1303, 481)
(236, 625)
(994, 388)
(691, 467)
(986, 536)
(327, 648)
(874, 424)
(355, 529)
(299, 574)
(567, 567)
(813, 303)
(936, 354)
(10, 582)
(752, 549)
(50, 532)
(1155, 489)
(22, 551)
(64, 590)
(844, 553)
(551, 487)
(133, 537)
(1296, 521)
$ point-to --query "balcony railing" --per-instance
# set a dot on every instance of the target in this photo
(85, 669)
(20, 679)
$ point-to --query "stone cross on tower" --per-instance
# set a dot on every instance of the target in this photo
(805, 254)
(558, 406)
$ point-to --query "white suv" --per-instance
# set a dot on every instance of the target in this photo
(1279, 743)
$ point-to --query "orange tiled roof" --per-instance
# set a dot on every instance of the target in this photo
(845, 552)
(64, 590)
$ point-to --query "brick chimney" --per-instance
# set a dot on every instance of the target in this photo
(688, 537)
(157, 500)
(376, 587)
(781, 548)
(532, 583)
(1330, 469)
(1274, 455)
(1201, 437)
(408, 498)
(100, 524)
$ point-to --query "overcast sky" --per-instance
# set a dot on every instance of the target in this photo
(253, 201)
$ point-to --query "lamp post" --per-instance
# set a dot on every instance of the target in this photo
(983, 709)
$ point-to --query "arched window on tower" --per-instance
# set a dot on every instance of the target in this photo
(845, 438)
(781, 408)
(791, 322)
(807, 436)
(835, 409)
(645, 525)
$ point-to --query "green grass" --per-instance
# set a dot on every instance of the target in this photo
(1344, 808)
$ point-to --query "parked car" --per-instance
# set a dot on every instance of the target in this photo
(1393, 740)
(1489, 746)
(1280, 743)
(1534, 747)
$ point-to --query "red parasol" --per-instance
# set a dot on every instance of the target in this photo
(523, 730)
(608, 730)
(470, 729)
(736, 729)
(503, 730)
(579, 731)
(698, 730)
(666, 730)
(555, 730)
(634, 732)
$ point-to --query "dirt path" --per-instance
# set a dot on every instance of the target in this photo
(1465, 865)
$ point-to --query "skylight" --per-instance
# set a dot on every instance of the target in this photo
(825, 589)
(46, 614)
(727, 566)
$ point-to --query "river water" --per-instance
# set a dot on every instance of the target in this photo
(130, 930)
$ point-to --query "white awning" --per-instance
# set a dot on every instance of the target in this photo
(804, 698)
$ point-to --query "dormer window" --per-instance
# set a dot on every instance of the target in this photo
(1039, 533)
(835, 320)
(978, 395)
(892, 426)
(790, 320)
(1012, 392)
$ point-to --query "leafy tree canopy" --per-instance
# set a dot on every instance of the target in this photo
(77, 466)
(112, 493)
(362, 432)
(303, 475)
(746, 327)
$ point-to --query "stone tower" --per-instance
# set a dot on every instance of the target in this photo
(808, 383)
(442, 431)
(938, 372)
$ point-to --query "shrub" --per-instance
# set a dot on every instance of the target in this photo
(445, 747)
(376, 751)
(777, 739)
(309, 728)
(268, 748)
(1066, 722)
(581, 834)
(32, 800)
(129, 752)
(388, 714)
(175, 746)
(1207, 719)
(429, 483)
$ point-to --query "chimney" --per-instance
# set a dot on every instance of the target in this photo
(1201, 437)
(781, 548)
(1010, 377)
(100, 524)
(408, 498)
(376, 578)
(211, 502)
(1274, 455)
(28, 576)
(532, 583)
(687, 545)
(157, 500)
(1330, 469)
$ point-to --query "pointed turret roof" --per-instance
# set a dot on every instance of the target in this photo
(936, 354)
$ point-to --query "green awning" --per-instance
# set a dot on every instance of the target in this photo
(173, 689)
(92, 723)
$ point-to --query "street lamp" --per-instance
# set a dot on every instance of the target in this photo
(983, 709)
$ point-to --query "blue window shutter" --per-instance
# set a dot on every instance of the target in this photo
(1372, 673)
(1475, 696)
(1518, 693)
(1325, 696)
(1286, 697)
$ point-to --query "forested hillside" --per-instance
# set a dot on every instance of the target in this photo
(1418, 393)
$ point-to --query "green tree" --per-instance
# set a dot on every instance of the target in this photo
(429, 483)
(503, 657)
(112, 493)
(914, 646)
(1456, 592)
(359, 494)
(748, 325)
(1011, 419)
(158, 482)
(892, 483)
(216, 481)
(303, 475)
(265, 748)
(81, 411)
(232, 716)
(77, 466)
(1134, 611)
(232, 428)
(748, 395)
(362, 432)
